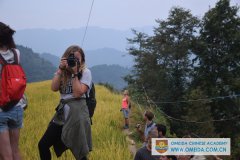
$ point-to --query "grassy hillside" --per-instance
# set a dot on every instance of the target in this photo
(108, 141)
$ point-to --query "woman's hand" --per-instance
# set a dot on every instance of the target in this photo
(63, 63)
(56, 79)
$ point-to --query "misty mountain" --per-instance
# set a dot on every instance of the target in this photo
(101, 56)
(56, 41)
(111, 74)
(38, 68)
(51, 58)
(35, 67)
(108, 56)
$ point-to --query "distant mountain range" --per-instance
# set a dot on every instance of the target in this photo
(42, 67)
(107, 56)
(56, 41)
(105, 51)
(51, 58)
(101, 45)
(111, 74)
(101, 56)
(35, 67)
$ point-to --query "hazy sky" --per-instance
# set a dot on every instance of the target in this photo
(117, 14)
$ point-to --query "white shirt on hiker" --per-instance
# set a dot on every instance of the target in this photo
(68, 92)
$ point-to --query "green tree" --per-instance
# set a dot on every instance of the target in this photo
(173, 40)
(200, 112)
(184, 60)
(162, 62)
(217, 67)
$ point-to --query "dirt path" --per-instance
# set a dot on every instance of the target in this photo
(131, 144)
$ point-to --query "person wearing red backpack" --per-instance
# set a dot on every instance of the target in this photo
(11, 112)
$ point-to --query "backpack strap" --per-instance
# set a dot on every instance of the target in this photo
(15, 56)
(87, 93)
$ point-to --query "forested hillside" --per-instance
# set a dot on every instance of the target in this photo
(190, 70)
(36, 68)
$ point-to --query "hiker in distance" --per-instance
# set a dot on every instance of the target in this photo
(148, 118)
(11, 112)
(126, 108)
(70, 127)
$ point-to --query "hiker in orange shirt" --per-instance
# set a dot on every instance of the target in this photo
(125, 108)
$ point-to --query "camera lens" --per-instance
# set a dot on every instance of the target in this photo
(71, 60)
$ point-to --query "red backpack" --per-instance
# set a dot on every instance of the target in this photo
(12, 83)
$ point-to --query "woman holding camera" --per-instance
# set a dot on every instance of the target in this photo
(70, 127)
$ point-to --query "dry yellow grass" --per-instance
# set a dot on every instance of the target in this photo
(108, 141)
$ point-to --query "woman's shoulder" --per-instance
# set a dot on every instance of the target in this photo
(17, 50)
(10, 51)
(86, 71)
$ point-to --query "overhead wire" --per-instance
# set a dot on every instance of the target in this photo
(202, 99)
(183, 120)
(89, 16)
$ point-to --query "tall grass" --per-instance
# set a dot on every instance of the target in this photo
(108, 141)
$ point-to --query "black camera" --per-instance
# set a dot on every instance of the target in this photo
(71, 60)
